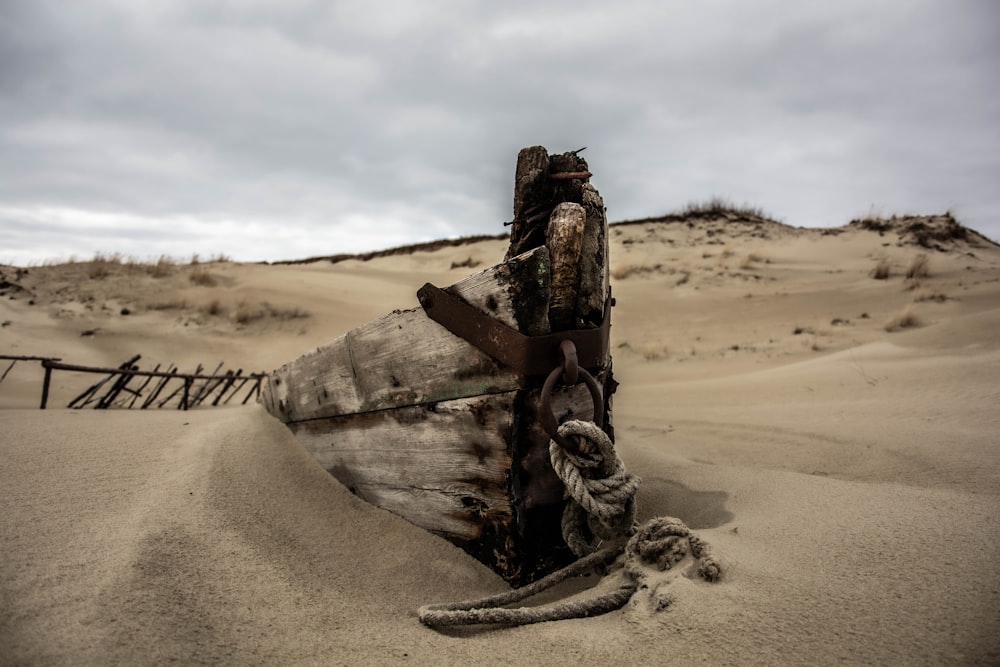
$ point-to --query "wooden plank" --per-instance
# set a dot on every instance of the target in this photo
(594, 265)
(397, 360)
(441, 466)
(449, 468)
(564, 239)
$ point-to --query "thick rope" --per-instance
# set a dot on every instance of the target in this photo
(602, 492)
(489, 609)
(660, 542)
(663, 542)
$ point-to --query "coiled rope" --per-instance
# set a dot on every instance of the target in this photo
(602, 503)
(601, 491)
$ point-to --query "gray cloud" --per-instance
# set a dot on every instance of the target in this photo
(270, 130)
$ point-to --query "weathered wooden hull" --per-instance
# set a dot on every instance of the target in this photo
(423, 423)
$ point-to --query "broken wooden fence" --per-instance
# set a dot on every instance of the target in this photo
(14, 358)
(157, 388)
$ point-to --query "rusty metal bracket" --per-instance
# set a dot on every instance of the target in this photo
(528, 355)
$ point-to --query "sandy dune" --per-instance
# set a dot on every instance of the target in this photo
(847, 475)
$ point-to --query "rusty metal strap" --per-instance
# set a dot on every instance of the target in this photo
(529, 355)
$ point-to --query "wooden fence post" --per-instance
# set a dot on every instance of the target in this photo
(45, 384)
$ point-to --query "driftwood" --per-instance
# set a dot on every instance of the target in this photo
(422, 422)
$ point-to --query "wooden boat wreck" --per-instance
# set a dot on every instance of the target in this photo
(443, 413)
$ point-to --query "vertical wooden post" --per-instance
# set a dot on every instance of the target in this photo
(532, 200)
(187, 391)
(564, 239)
(45, 384)
(556, 206)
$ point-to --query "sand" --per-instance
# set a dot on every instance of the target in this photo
(847, 476)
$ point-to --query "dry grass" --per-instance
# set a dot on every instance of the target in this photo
(919, 267)
(163, 267)
(813, 343)
(247, 312)
(720, 206)
(749, 261)
(924, 295)
(904, 319)
(104, 264)
(882, 270)
(214, 308)
(293, 313)
(627, 271)
(652, 351)
(468, 263)
(172, 304)
(655, 352)
(203, 277)
(429, 246)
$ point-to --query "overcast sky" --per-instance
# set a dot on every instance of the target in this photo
(278, 129)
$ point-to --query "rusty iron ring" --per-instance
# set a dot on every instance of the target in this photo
(547, 417)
